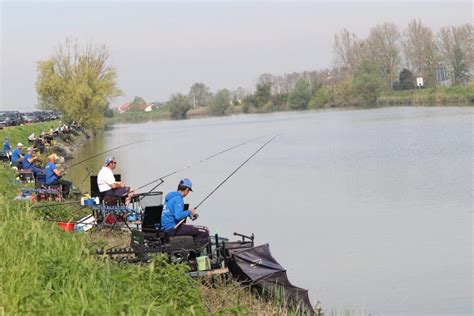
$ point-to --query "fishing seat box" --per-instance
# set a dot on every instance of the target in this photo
(152, 218)
(96, 193)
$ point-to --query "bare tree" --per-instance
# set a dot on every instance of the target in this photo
(456, 47)
(348, 50)
(384, 48)
(420, 51)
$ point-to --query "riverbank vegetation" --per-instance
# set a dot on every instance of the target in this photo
(413, 65)
(392, 66)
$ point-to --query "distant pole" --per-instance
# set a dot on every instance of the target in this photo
(194, 100)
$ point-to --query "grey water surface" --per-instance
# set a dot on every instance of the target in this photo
(371, 210)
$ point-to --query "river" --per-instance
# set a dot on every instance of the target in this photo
(371, 210)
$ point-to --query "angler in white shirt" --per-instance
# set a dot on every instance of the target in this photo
(107, 184)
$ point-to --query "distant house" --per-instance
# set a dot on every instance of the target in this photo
(149, 108)
(124, 107)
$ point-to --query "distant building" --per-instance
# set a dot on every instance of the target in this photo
(149, 108)
(442, 75)
(124, 107)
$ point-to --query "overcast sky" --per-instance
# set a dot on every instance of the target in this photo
(160, 48)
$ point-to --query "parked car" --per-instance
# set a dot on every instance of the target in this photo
(15, 117)
(29, 118)
(5, 120)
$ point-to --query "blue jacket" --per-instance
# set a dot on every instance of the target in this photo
(26, 163)
(49, 173)
(6, 146)
(16, 154)
(173, 210)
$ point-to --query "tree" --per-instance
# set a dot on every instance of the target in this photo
(406, 80)
(299, 98)
(367, 83)
(138, 104)
(383, 48)
(348, 50)
(262, 95)
(421, 52)
(79, 82)
(199, 94)
(179, 106)
(220, 102)
(456, 46)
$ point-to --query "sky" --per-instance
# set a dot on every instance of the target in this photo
(161, 48)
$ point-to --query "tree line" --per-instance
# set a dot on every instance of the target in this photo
(80, 82)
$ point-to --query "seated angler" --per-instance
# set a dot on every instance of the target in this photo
(107, 184)
(16, 157)
(6, 147)
(174, 212)
(29, 162)
(53, 175)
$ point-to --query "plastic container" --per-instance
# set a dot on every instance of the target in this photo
(203, 263)
(151, 199)
(67, 227)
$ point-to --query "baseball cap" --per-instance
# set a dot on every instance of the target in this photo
(29, 149)
(108, 160)
(20, 145)
(187, 183)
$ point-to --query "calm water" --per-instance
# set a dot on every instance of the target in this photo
(371, 209)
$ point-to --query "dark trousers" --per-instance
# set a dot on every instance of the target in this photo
(66, 185)
(199, 233)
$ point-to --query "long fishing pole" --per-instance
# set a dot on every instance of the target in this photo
(79, 162)
(233, 172)
(195, 163)
(227, 178)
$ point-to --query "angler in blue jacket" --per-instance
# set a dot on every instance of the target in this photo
(29, 162)
(174, 212)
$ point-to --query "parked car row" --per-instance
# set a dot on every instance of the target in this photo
(14, 118)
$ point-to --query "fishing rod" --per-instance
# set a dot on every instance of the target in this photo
(227, 178)
(195, 163)
(233, 172)
(77, 163)
(55, 204)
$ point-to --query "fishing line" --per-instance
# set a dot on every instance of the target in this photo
(195, 163)
(121, 146)
(233, 172)
(227, 178)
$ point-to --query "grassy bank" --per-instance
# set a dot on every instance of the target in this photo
(19, 134)
(442, 96)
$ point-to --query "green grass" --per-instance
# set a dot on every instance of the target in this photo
(47, 271)
(44, 270)
(19, 134)
(458, 95)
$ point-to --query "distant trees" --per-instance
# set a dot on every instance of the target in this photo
(199, 94)
(138, 104)
(179, 106)
(406, 81)
(299, 97)
(368, 84)
(220, 102)
(78, 81)
(364, 72)
(383, 48)
(456, 46)
(421, 52)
